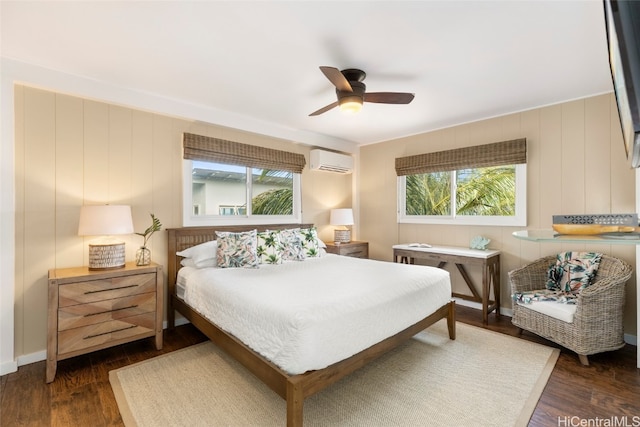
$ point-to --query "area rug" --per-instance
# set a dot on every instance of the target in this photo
(482, 378)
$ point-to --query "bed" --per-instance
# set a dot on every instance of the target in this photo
(302, 376)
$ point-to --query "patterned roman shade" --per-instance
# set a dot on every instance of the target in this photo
(206, 148)
(479, 156)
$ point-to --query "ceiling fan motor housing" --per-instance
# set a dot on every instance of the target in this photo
(354, 75)
(357, 95)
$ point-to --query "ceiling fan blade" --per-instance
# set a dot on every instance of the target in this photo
(389, 97)
(336, 78)
(324, 109)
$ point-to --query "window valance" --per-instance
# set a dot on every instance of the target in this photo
(495, 154)
(206, 148)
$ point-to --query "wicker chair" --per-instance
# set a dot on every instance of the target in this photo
(598, 322)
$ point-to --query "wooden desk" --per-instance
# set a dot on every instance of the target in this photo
(488, 260)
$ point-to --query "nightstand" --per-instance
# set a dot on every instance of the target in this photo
(94, 309)
(353, 249)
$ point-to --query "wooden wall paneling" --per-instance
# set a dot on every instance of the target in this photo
(121, 165)
(39, 214)
(530, 127)
(165, 135)
(573, 158)
(597, 155)
(573, 163)
(142, 166)
(141, 175)
(96, 155)
(176, 173)
(378, 206)
(511, 127)
(69, 138)
(120, 162)
(550, 201)
(19, 162)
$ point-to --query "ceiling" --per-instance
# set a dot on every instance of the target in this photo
(257, 61)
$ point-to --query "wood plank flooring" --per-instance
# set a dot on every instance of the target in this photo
(81, 394)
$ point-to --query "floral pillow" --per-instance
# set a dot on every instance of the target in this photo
(573, 271)
(237, 249)
(269, 249)
(292, 249)
(310, 243)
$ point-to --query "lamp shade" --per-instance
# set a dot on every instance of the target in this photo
(341, 217)
(105, 220)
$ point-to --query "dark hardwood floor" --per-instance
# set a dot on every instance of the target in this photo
(81, 395)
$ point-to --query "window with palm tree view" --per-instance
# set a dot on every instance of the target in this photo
(492, 195)
(231, 191)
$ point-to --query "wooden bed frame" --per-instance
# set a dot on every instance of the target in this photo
(293, 388)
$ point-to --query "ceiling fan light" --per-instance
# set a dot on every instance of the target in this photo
(351, 104)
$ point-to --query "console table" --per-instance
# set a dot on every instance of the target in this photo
(488, 260)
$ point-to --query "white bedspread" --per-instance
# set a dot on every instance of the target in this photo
(310, 314)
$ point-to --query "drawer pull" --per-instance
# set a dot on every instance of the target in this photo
(110, 311)
(110, 332)
(110, 289)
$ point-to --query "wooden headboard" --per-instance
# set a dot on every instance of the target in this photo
(186, 237)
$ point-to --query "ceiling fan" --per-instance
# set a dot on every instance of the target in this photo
(352, 93)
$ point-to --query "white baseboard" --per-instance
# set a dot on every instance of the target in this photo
(8, 367)
(631, 339)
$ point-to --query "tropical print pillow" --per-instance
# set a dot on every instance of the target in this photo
(310, 242)
(237, 249)
(573, 271)
(292, 249)
(269, 247)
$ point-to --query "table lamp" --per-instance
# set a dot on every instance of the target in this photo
(107, 252)
(342, 217)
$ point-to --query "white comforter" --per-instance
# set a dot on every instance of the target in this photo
(310, 314)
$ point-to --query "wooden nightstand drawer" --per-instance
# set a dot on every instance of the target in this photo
(94, 335)
(74, 316)
(352, 249)
(358, 252)
(99, 290)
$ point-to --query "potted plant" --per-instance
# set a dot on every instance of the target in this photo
(143, 255)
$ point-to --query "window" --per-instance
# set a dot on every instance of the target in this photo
(217, 190)
(484, 185)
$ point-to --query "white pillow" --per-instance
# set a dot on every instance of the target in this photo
(202, 255)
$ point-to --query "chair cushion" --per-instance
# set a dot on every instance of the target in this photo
(556, 304)
(573, 271)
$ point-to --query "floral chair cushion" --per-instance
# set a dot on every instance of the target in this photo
(573, 271)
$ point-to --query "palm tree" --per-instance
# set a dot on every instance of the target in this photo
(273, 202)
(482, 191)
(428, 194)
(487, 192)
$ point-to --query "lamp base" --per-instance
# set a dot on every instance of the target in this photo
(106, 257)
(341, 236)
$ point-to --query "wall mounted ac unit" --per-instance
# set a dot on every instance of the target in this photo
(330, 161)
